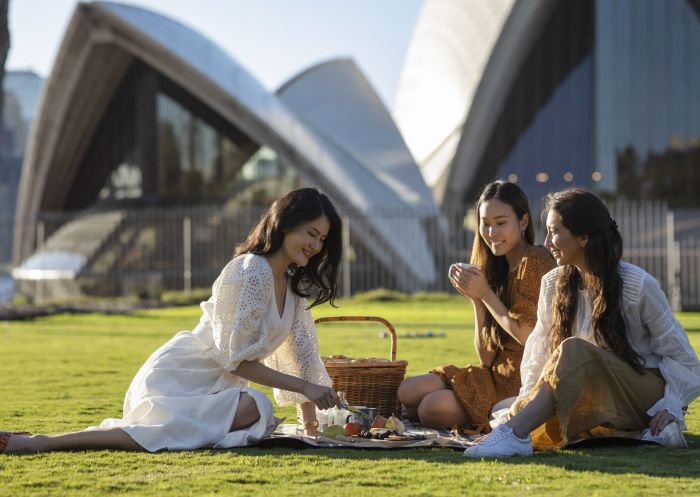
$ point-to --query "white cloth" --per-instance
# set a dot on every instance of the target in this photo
(185, 396)
(653, 332)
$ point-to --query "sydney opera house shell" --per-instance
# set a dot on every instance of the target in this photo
(141, 111)
(603, 94)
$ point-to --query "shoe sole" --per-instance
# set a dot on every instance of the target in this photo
(472, 455)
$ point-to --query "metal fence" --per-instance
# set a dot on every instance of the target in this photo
(146, 251)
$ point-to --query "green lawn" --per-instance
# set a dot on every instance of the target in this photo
(70, 371)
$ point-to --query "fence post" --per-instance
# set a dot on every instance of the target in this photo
(187, 254)
(346, 258)
(672, 264)
(40, 235)
(677, 304)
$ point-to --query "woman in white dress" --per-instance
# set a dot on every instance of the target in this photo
(607, 356)
(193, 391)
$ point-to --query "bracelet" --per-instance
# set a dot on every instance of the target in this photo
(310, 424)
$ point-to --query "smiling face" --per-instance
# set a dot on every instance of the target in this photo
(305, 241)
(566, 247)
(500, 227)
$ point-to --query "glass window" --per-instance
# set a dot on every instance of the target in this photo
(262, 179)
(198, 163)
(125, 182)
(543, 136)
(647, 85)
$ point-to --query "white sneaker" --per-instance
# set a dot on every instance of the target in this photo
(670, 437)
(501, 442)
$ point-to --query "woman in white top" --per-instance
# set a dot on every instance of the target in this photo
(607, 357)
(193, 391)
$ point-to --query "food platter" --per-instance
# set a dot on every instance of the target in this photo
(389, 441)
(289, 435)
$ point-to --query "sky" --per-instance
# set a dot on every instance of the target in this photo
(273, 39)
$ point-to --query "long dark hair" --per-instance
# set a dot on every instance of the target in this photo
(285, 214)
(496, 267)
(584, 214)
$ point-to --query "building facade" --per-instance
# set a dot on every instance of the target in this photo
(594, 93)
(142, 113)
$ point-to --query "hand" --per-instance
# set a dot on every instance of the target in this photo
(323, 397)
(660, 420)
(469, 282)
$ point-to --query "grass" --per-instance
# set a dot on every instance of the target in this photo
(66, 372)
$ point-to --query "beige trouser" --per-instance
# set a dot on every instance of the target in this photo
(596, 394)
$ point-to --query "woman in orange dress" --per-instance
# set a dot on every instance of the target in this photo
(503, 284)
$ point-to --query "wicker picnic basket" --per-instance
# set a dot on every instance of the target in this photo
(368, 382)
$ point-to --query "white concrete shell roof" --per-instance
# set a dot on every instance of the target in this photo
(450, 47)
(518, 37)
(460, 68)
(103, 38)
(338, 103)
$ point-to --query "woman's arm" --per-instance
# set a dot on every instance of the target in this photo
(472, 283)
(460, 283)
(485, 355)
(518, 330)
(322, 396)
(679, 364)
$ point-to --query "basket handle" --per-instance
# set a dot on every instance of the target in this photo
(365, 318)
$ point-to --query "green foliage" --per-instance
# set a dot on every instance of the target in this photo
(384, 295)
(380, 295)
(66, 372)
(196, 296)
(20, 299)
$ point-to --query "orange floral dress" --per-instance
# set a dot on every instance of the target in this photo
(479, 388)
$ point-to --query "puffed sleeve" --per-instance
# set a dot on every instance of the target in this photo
(536, 353)
(525, 292)
(299, 355)
(241, 296)
(679, 364)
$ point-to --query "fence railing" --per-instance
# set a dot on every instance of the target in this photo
(147, 251)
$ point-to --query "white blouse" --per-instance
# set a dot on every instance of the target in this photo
(247, 326)
(653, 332)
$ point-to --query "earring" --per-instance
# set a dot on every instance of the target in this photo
(522, 234)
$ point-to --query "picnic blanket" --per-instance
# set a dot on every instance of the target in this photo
(292, 435)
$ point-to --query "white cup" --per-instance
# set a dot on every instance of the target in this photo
(462, 265)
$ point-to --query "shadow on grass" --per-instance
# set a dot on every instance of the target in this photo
(649, 460)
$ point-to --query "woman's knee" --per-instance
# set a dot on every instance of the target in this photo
(574, 345)
(247, 413)
(429, 411)
(404, 392)
(441, 409)
(412, 390)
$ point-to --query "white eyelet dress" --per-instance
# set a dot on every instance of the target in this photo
(597, 394)
(185, 396)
